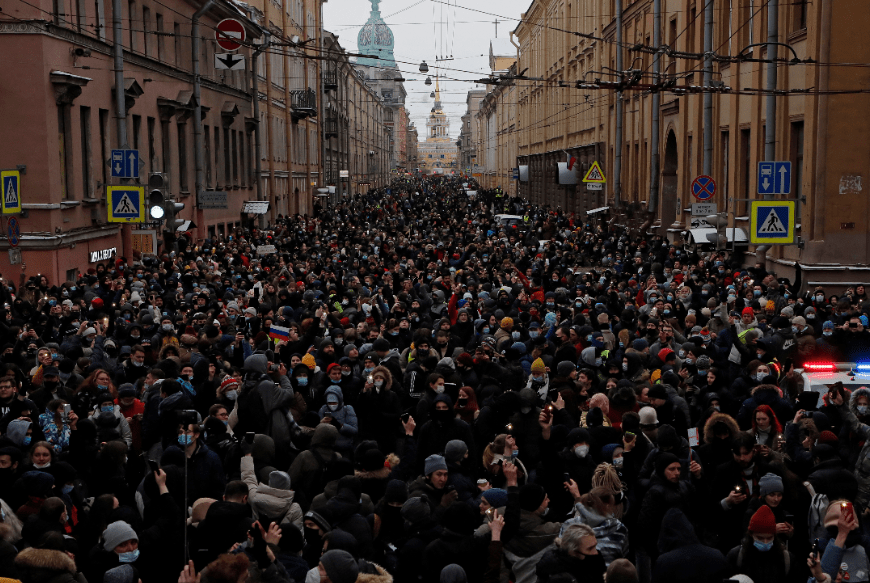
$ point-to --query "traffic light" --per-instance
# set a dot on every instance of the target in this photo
(158, 192)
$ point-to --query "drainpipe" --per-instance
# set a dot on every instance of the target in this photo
(708, 80)
(120, 108)
(770, 113)
(199, 150)
(617, 161)
(255, 89)
(653, 205)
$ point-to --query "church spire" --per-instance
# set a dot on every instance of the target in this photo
(437, 93)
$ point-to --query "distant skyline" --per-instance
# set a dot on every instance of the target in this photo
(429, 30)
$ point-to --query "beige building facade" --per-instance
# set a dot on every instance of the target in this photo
(496, 122)
(817, 131)
(437, 153)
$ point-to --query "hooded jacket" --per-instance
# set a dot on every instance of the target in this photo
(344, 418)
(862, 467)
(45, 565)
(379, 411)
(306, 465)
(263, 405)
(267, 501)
(683, 558)
(610, 532)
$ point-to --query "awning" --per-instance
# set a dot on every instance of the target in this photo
(185, 226)
(256, 207)
(598, 210)
(699, 235)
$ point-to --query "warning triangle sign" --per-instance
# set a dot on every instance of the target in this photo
(10, 195)
(772, 225)
(595, 174)
(125, 206)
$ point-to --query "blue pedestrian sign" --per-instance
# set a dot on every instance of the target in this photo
(126, 204)
(772, 222)
(125, 163)
(10, 181)
(774, 178)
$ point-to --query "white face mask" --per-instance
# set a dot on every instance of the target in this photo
(760, 375)
(581, 451)
(313, 576)
(439, 389)
(617, 462)
(332, 406)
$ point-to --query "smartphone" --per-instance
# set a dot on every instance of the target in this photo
(789, 518)
(847, 509)
(450, 488)
(371, 379)
(816, 549)
(67, 408)
(738, 489)
(249, 437)
(490, 512)
(566, 477)
(153, 466)
(508, 428)
(629, 436)
(405, 417)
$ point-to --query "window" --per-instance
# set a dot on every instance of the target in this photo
(235, 156)
(747, 19)
(146, 30)
(165, 145)
(217, 156)
(176, 37)
(64, 139)
(725, 144)
(104, 144)
(137, 130)
(797, 161)
(745, 158)
(152, 149)
(207, 142)
(132, 25)
(161, 47)
(99, 19)
(227, 160)
(182, 158)
(85, 121)
(800, 14)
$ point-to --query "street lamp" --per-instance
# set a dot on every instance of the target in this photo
(428, 80)
(424, 68)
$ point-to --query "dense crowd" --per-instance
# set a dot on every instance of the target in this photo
(402, 388)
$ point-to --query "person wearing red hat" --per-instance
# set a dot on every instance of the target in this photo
(761, 556)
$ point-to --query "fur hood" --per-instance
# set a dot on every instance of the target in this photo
(380, 473)
(853, 400)
(45, 559)
(373, 573)
(388, 377)
(719, 418)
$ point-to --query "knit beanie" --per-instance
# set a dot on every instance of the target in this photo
(434, 463)
(340, 566)
(118, 533)
(507, 323)
(415, 510)
(496, 497)
(663, 461)
(531, 497)
(465, 360)
(565, 368)
(607, 451)
(539, 366)
(121, 574)
(455, 451)
(769, 483)
(397, 491)
(308, 361)
(279, 480)
(763, 522)
(828, 437)
(640, 344)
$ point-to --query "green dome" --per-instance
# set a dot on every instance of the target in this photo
(376, 39)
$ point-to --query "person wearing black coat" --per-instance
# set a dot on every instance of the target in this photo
(575, 460)
(343, 511)
(573, 558)
(442, 428)
(379, 410)
(456, 544)
(683, 558)
(666, 491)
(831, 476)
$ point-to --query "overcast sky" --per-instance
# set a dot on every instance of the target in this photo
(430, 29)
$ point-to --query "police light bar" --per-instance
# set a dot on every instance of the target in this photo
(820, 367)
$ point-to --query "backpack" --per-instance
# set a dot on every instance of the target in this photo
(251, 411)
(313, 482)
(816, 517)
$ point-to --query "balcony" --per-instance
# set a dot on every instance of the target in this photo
(330, 80)
(303, 103)
(331, 127)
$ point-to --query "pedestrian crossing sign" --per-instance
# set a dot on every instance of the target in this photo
(11, 195)
(595, 175)
(772, 222)
(126, 204)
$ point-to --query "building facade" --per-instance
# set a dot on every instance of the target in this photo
(63, 121)
(814, 130)
(437, 153)
(496, 121)
(468, 137)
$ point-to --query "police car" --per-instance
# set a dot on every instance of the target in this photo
(821, 376)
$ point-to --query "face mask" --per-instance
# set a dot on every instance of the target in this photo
(67, 488)
(103, 387)
(27, 439)
(40, 466)
(167, 327)
(794, 330)
(335, 381)
(441, 416)
(50, 385)
(820, 298)
(485, 330)
(332, 406)
(690, 361)
(828, 333)
(345, 373)
(515, 335)
(302, 381)
(537, 379)
(107, 409)
(702, 373)
(581, 451)
(439, 389)
(763, 547)
(617, 462)
(184, 440)
(863, 409)
(756, 293)
(625, 366)
(368, 370)
(759, 376)
(811, 316)
(232, 395)
(339, 341)
(533, 334)
(462, 402)
(379, 383)
(313, 576)
(129, 557)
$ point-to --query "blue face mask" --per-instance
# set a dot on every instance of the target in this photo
(862, 409)
(103, 387)
(485, 330)
(763, 547)
(107, 408)
(369, 369)
(533, 333)
(302, 381)
(184, 440)
(27, 439)
(334, 381)
(129, 557)
(756, 293)
(67, 488)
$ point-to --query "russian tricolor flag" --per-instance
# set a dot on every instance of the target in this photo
(279, 333)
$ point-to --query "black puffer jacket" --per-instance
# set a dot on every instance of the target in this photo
(556, 562)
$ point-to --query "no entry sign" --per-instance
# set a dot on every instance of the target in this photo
(230, 34)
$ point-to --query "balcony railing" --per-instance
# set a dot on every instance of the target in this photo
(331, 127)
(303, 103)
(330, 80)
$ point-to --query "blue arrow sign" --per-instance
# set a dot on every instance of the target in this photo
(774, 178)
(119, 167)
(131, 157)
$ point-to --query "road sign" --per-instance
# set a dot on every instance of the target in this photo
(230, 34)
(774, 178)
(213, 199)
(595, 175)
(703, 188)
(11, 200)
(344, 173)
(15, 257)
(772, 222)
(13, 232)
(594, 186)
(126, 204)
(229, 61)
(702, 209)
(125, 163)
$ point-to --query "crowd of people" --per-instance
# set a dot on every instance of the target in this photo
(402, 388)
